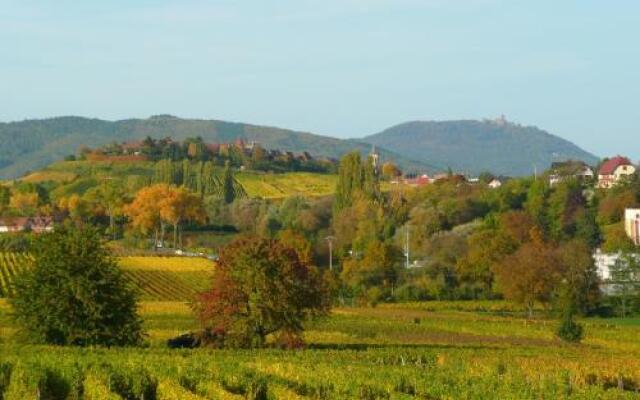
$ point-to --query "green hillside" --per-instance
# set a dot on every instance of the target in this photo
(475, 146)
(33, 144)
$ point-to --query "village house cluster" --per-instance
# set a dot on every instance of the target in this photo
(26, 224)
(611, 172)
(247, 148)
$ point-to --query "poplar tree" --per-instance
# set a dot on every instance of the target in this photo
(227, 184)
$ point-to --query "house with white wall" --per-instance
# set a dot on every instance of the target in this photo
(614, 170)
(632, 224)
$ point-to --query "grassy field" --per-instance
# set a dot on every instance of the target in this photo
(419, 351)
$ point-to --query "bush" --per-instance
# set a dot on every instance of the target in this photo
(75, 293)
(569, 330)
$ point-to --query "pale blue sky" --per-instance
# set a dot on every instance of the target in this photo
(343, 68)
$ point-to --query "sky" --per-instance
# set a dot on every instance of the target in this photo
(344, 68)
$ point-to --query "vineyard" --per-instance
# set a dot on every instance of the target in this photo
(10, 265)
(428, 350)
(155, 278)
(393, 352)
(287, 184)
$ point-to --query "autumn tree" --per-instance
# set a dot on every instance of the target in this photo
(529, 275)
(390, 170)
(25, 203)
(616, 239)
(376, 268)
(565, 204)
(179, 206)
(145, 210)
(260, 287)
(611, 207)
(486, 248)
(111, 197)
(579, 286)
(76, 207)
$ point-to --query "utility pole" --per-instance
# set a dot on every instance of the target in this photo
(406, 246)
(330, 240)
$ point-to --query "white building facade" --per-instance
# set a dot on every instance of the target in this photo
(632, 224)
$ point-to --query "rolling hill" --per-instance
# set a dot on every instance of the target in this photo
(475, 146)
(32, 144)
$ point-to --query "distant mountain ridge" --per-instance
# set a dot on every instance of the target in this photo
(472, 146)
(466, 146)
(32, 144)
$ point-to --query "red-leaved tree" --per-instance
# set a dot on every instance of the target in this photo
(261, 287)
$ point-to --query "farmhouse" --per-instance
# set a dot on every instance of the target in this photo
(22, 224)
(132, 148)
(418, 180)
(570, 169)
(495, 183)
(614, 170)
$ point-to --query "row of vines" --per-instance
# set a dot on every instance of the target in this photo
(391, 373)
(10, 266)
(162, 279)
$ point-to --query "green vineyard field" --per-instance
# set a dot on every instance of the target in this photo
(155, 278)
(10, 265)
(356, 353)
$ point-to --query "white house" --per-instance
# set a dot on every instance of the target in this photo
(613, 170)
(605, 262)
(632, 224)
(495, 183)
(565, 169)
(21, 224)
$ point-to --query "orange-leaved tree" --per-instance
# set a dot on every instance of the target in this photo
(179, 206)
(144, 211)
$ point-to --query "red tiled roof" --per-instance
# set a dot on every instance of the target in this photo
(14, 221)
(131, 145)
(609, 167)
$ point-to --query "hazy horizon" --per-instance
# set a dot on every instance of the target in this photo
(338, 68)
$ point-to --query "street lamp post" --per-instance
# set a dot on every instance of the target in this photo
(330, 240)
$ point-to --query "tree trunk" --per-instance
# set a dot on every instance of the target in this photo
(112, 225)
(175, 235)
(162, 230)
(155, 242)
(530, 310)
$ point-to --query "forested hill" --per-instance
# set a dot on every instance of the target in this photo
(32, 144)
(475, 146)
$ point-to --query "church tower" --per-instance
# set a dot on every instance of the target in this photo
(375, 158)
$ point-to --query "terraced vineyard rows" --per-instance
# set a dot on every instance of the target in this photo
(156, 278)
